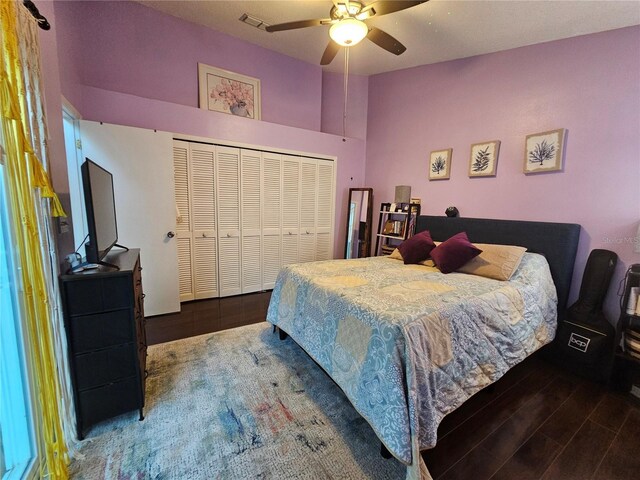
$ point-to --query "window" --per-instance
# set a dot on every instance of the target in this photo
(16, 441)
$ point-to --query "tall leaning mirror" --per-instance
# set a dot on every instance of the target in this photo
(359, 214)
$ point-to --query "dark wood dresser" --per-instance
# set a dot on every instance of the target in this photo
(104, 321)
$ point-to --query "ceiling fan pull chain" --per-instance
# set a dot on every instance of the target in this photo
(346, 85)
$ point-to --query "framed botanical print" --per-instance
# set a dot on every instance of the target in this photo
(484, 159)
(543, 152)
(440, 164)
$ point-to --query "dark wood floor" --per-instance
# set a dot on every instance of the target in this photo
(537, 422)
(204, 316)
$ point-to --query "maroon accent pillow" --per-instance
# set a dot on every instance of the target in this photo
(453, 253)
(417, 248)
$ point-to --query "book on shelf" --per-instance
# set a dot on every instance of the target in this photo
(412, 224)
(393, 227)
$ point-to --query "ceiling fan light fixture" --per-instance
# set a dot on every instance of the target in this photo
(348, 32)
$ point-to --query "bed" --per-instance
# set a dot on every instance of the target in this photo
(407, 344)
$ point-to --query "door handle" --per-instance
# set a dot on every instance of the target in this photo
(171, 234)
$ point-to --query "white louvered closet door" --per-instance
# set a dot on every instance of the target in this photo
(325, 210)
(250, 215)
(290, 208)
(228, 184)
(308, 191)
(184, 235)
(271, 218)
(204, 225)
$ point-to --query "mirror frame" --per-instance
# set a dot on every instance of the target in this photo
(369, 221)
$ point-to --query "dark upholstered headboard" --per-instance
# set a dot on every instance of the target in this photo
(558, 242)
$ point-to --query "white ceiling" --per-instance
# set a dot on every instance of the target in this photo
(435, 31)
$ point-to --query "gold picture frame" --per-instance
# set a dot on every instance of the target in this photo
(228, 92)
(440, 164)
(544, 147)
(484, 159)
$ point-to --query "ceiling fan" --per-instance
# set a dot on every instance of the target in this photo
(348, 27)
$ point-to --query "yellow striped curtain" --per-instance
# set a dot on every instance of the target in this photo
(27, 181)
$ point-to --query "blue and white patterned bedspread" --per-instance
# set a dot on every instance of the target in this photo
(408, 344)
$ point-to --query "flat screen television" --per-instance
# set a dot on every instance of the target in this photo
(100, 207)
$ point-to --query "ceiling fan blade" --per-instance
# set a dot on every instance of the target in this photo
(386, 41)
(329, 53)
(385, 7)
(299, 24)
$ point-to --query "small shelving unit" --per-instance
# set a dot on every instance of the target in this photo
(627, 366)
(395, 226)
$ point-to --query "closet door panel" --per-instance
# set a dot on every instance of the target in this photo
(203, 214)
(181, 180)
(290, 194)
(306, 247)
(251, 212)
(183, 219)
(229, 266)
(324, 244)
(325, 210)
(251, 264)
(308, 213)
(228, 203)
(203, 187)
(272, 193)
(228, 169)
(271, 218)
(251, 197)
(185, 273)
(271, 260)
(308, 193)
(290, 208)
(205, 266)
(289, 248)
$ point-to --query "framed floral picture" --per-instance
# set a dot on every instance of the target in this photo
(543, 152)
(440, 164)
(484, 159)
(228, 92)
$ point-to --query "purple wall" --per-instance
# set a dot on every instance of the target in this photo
(589, 85)
(53, 106)
(156, 56)
(69, 44)
(144, 74)
(333, 104)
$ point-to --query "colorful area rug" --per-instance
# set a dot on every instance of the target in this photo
(232, 405)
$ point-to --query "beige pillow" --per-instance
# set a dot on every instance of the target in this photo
(496, 261)
(396, 255)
